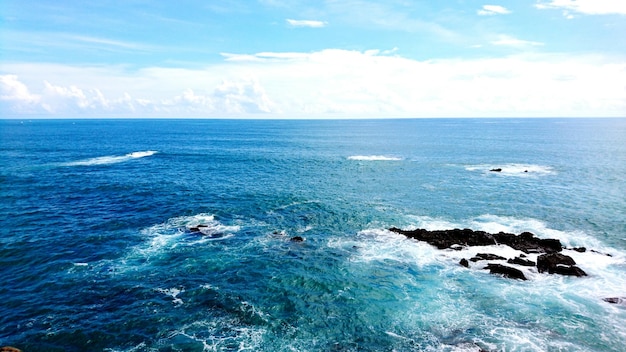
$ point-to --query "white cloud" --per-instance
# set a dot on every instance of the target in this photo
(12, 89)
(490, 10)
(328, 83)
(306, 23)
(506, 40)
(588, 7)
(15, 95)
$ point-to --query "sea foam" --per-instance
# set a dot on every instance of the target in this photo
(110, 159)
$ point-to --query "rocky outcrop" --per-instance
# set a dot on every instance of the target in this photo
(550, 259)
(525, 242)
(447, 238)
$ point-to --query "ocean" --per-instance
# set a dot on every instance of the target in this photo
(272, 235)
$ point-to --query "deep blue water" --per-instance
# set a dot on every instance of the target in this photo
(96, 251)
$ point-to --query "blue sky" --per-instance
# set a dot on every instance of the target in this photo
(318, 59)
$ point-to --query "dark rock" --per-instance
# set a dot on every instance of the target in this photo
(571, 270)
(525, 242)
(549, 262)
(486, 256)
(521, 261)
(464, 262)
(506, 271)
(557, 263)
(615, 300)
(296, 239)
(608, 255)
(580, 249)
(528, 243)
(496, 170)
(447, 238)
(197, 228)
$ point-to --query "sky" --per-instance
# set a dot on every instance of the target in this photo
(312, 59)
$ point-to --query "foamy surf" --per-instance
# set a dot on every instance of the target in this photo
(374, 158)
(599, 261)
(110, 159)
(456, 293)
(167, 237)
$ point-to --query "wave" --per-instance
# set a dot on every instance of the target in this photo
(602, 263)
(110, 159)
(373, 158)
(175, 234)
(512, 169)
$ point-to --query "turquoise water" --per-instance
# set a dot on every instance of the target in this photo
(96, 251)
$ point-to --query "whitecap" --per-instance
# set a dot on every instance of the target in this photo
(512, 169)
(172, 292)
(374, 158)
(170, 236)
(110, 159)
(176, 232)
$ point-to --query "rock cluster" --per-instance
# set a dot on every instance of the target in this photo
(550, 259)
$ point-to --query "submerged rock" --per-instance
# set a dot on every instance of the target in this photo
(496, 170)
(487, 256)
(197, 228)
(296, 239)
(521, 261)
(506, 271)
(615, 300)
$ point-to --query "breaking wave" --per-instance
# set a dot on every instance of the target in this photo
(110, 159)
(512, 169)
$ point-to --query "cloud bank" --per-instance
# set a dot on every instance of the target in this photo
(326, 83)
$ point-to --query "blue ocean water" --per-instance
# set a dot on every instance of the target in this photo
(98, 250)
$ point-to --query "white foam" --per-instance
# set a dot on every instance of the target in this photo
(605, 271)
(172, 292)
(383, 245)
(513, 169)
(374, 158)
(172, 232)
(170, 235)
(111, 159)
